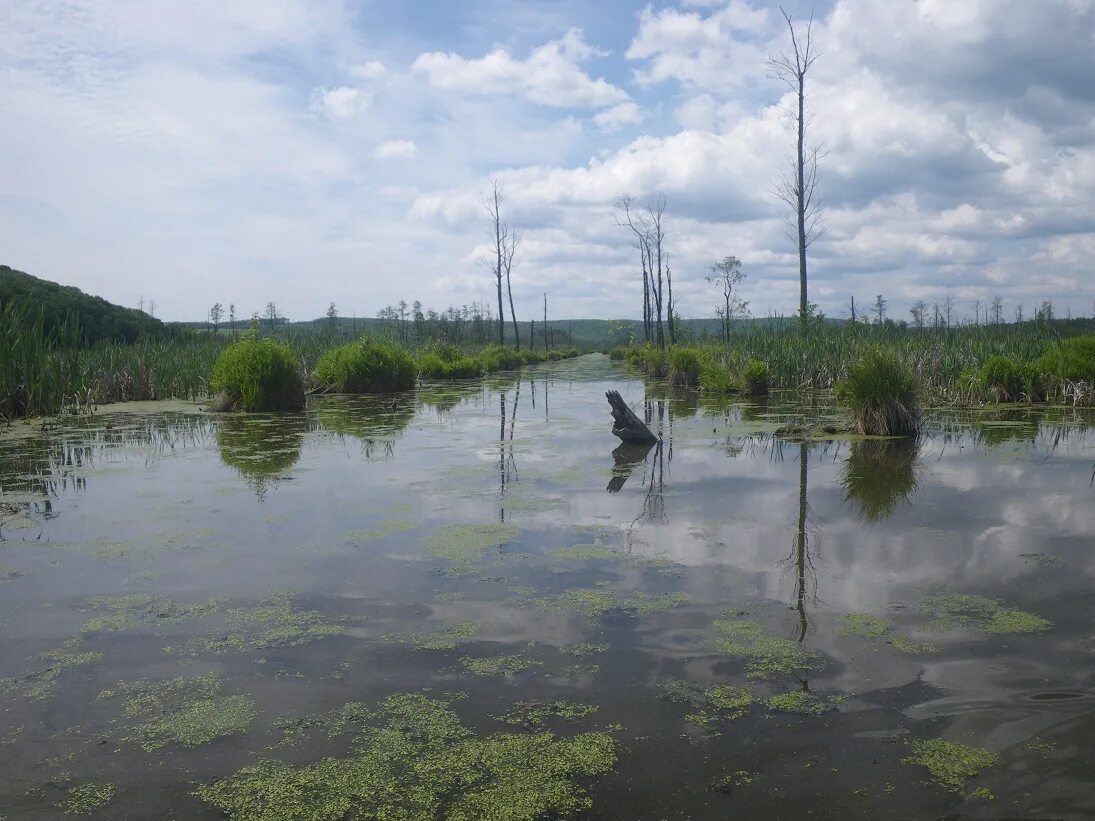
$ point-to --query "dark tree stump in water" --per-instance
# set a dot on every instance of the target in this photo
(625, 424)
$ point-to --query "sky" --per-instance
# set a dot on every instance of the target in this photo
(309, 151)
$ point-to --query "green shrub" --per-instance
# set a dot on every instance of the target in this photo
(1071, 359)
(715, 376)
(432, 366)
(1000, 380)
(257, 375)
(754, 378)
(684, 366)
(618, 353)
(883, 395)
(366, 366)
(499, 358)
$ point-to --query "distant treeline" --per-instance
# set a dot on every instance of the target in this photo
(83, 317)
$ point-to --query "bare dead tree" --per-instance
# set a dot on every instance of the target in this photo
(500, 261)
(654, 259)
(508, 253)
(798, 188)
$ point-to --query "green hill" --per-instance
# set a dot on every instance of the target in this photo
(63, 306)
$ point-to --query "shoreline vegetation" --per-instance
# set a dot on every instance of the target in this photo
(968, 366)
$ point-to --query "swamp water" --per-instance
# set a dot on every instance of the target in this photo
(468, 603)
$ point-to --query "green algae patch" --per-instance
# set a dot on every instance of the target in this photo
(274, 622)
(186, 711)
(765, 655)
(902, 644)
(444, 638)
(951, 765)
(84, 799)
(585, 552)
(40, 684)
(799, 702)
(980, 613)
(418, 762)
(386, 528)
(730, 701)
(125, 612)
(595, 602)
(463, 545)
(864, 625)
(582, 649)
(497, 666)
(534, 714)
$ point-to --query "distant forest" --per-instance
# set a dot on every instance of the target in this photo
(63, 307)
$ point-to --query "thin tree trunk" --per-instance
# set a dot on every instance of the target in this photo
(802, 302)
(513, 316)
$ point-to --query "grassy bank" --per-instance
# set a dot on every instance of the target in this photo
(46, 371)
(957, 366)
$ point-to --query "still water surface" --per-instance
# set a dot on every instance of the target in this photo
(762, 628)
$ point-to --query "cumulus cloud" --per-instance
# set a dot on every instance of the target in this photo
(615, 118)
(339, 102)
(549, 76)
(396, 150)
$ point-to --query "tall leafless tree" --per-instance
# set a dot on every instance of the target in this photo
(501, 259)
(649, 233)
(508, 253)
(798, 188)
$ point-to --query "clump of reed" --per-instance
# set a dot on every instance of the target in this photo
(446, 361)
(366, 365)
(257, 375)
(754, 378)
(883, 395)
(684, 366)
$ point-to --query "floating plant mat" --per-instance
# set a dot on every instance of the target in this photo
(431, 608)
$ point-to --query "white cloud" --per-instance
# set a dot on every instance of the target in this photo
(370, 70)
(396, 150)
(615, 118)
(339, 102)
(549, 76)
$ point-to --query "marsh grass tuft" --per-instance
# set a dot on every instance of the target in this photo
(883, 395)
(366, 365)
(257, 375)
(754, 378)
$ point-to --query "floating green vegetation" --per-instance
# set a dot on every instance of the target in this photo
(865, 625)
(950, 764)
(594, 602)
(583, 649)
(86, 798)
(766, 656)
(420, 763)
(677, 691)
(585, 552)
(729, 700)
(444, 638)
(274, 622)
(800, 702)
(534, 714)
(980, 613)
(727, 783)
(496, 666)
(464, 544)
(187, 711)
(39, 684)
(903, 644)
(130, 611)
(446, 597)
(386, 528)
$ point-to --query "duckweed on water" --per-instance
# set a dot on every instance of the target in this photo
(86, 798)
(950, 764)
(464, 544)
(865, 625)
(903, 644)
(444, 638)
(533, 714)
(800, 702)
(766, 656)
(39, 684)
(185, 711)
(492, 666)
(980, 613)
(594, 602)
(730, 701)
(420, 763)
(275, 622)
(131, 611)
(582, 649)
(584, 552)
(386, 528)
